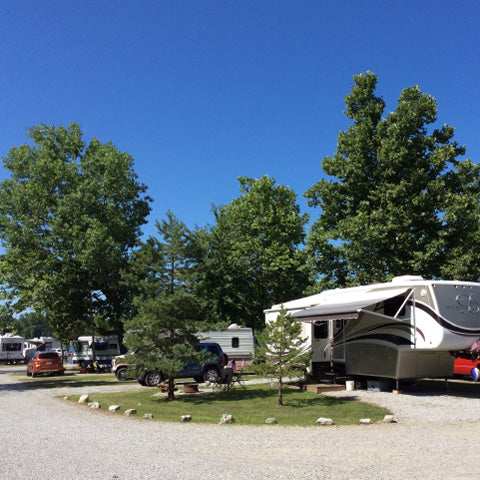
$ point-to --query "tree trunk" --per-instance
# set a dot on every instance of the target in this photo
(171, 389)
(280, 396)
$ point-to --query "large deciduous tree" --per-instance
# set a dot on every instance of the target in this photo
(253, 254)
(398, 198)
(70, 215)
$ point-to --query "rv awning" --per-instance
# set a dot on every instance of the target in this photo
(340, 307)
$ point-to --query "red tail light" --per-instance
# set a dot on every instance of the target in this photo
(224, 359)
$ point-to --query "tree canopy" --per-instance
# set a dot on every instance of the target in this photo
(398, 198)
(252, 255)
(70, 215)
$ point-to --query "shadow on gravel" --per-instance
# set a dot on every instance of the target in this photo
(435, 388)
(68, 380)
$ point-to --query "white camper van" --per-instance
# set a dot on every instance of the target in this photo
(409, 328)
(106, 347)
(11, 348)
(236, 341)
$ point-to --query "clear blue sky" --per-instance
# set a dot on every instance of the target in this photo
(200, 92)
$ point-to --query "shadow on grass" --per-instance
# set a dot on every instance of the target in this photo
(291, 398)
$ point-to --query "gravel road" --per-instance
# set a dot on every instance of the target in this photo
(43, 436)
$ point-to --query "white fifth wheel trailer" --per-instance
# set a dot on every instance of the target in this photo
(408, 328)
(11, 348)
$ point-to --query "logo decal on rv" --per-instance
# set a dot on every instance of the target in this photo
(467, 304)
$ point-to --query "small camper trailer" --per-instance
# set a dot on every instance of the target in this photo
(236, 341)
(11, 348)
(102, 350)
(408, 328)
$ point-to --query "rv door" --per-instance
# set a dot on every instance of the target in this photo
(321, 349)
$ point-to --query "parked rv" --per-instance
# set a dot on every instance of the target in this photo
(41, 344)
(11, 348)
(101, 351)
(408, 328)
(236, 341)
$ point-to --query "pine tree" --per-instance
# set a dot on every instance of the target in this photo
(282, 351)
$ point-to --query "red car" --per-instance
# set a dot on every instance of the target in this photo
(463, 366)
(45, 362)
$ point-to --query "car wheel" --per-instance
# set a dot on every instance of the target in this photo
(210, 374)
(121, 374)
(152, 379)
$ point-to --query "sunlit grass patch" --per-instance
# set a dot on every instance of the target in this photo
(249, 406)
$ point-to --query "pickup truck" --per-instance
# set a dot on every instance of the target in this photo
(208, 371)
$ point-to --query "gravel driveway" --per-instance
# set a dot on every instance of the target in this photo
(435, 438)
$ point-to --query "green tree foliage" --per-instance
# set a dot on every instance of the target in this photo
(32, 325)
(281, 352)
(70, 215)
(252, 255)
(163, 329)
(399, 200)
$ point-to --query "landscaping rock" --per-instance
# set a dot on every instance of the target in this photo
(324, 421)
(83, 398)
(186, 418)
(389, 419)
(94, 405)
(271, 421)
(365, 421)
(130, 412)
(226, 418)
(113, 408)
(148, 415)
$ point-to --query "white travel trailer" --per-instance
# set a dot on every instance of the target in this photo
(106, 347)
(11, 348)
(236, 341)
(409, 328)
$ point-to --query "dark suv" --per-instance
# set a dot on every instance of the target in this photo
(208, 371)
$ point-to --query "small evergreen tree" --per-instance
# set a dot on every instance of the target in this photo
(163, 329)
(281, 352)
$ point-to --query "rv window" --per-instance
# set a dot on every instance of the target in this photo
(11, 347)
(235, 342)
(320, 330)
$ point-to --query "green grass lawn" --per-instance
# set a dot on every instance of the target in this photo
(249, 406)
